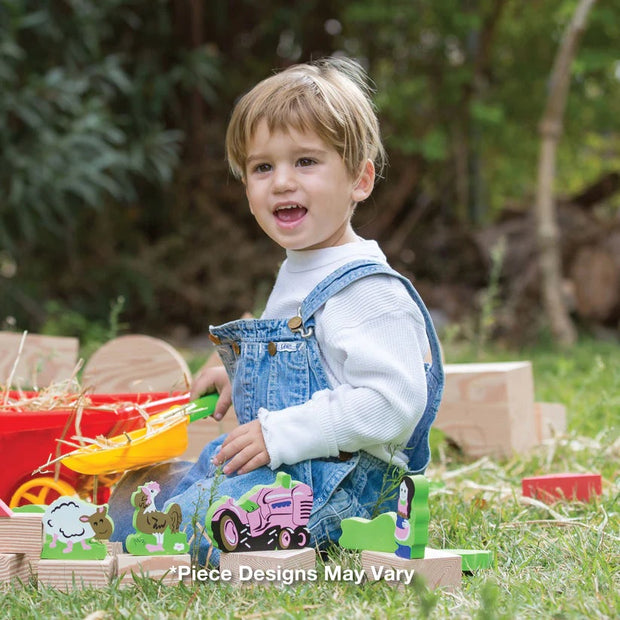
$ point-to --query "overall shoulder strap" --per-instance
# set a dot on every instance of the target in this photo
(417, 448)
(353, 271)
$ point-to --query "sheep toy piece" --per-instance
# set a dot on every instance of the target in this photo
(71, 521)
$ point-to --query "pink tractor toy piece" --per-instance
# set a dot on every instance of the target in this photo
(268, 517)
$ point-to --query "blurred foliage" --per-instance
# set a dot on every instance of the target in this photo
(113, 113)
(462, 85)
(86, 89)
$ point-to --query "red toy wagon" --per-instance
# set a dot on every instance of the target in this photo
(29, 438)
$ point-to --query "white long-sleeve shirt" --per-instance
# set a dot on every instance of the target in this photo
(372, 340)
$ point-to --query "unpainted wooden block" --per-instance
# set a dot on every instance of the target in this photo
(22, 533)
(136, 363)
(550, 420)
(14, 567)
(273, 567)
(43, 359)
(75, 574)
(438, 568)
(114, 548)
(488, 409)
(163, 568)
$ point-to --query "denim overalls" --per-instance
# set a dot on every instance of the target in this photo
(275, 364)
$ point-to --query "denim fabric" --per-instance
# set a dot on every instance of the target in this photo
(273, 366)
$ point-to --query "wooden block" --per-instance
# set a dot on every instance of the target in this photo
(114, 548)
(22, 533)
(550, 420)
(201, 432)
(438, 568)
(269, 566)
(14, 566)
(43, 359)
(552, 487)
(136, 363)
(74, 574)
(164, 568)
(488, 409)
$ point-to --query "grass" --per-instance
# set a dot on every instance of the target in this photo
(560, 561)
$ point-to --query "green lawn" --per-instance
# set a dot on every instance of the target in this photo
(560, 561)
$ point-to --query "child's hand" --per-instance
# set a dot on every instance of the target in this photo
(245, 446)
(211, 378)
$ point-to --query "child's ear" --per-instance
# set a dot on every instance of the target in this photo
(365, 182)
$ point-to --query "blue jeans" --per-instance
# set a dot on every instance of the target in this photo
(348, 486)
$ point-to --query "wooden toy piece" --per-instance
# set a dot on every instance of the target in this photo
(404, 532)
(136, 363)
(412, 517)
(157, 532)
(22, 533)
(268, 566)
(75, 574)
(551, 487)
(5, 511)
(265, 518)
(41, 360)
(550, 420)
(474, 559)
(163, 568)
(369, 534)
(14, 566)
(438, 568)
(74, 530)
(488, 409)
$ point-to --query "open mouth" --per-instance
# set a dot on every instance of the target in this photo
(289, 214)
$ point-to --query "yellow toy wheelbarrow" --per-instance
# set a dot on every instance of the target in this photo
(163, 437)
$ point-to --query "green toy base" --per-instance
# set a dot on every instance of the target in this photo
(474, 559)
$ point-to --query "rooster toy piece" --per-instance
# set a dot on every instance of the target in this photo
(157, 532)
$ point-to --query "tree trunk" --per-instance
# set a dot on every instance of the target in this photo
(546, 220)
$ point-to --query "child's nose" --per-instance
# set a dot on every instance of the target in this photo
(284, 179)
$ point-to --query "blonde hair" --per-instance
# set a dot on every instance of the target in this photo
(330, 96)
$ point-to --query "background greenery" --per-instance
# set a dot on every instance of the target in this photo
(112, 116)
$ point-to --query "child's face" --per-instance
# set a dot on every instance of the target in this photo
(299, 189)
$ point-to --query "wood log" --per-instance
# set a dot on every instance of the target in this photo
(136, 363)
(596, 281)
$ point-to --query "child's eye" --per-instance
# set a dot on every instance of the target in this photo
(262, 168)
(305, 161)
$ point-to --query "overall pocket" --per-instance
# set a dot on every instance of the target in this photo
(288, 373)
